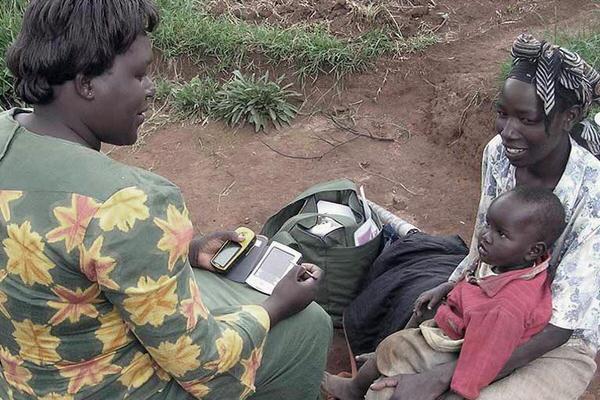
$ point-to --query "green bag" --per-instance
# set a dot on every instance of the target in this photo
(343, 263)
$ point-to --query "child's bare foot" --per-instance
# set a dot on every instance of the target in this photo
(341, 388)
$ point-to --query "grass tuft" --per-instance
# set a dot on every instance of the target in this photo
(417, 43)
(195, 98)
(257, 101)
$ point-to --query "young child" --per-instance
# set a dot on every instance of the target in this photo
(500, 303)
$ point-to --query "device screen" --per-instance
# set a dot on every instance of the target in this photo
(274, 265)
(227, 253)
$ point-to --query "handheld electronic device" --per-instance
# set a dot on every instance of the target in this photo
(277, 260)
(231, 251)
(245, 265)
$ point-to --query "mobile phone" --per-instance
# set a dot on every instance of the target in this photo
(277, 260)
(231, 251)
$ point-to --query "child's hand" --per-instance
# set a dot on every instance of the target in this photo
(382, 383)
(431, 298)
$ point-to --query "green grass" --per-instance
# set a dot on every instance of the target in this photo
(10, 22)
(186, 30)
(311, 49)
(195, 98)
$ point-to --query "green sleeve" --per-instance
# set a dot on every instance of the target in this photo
(136, 246)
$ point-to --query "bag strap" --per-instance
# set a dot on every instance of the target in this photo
(331, 186)
(276, 221)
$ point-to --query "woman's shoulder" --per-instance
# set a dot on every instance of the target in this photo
(43, 164)
(583, 170)
(103, 177)
(583, 158)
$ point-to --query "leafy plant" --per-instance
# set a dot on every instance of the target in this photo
(256, 101)
(194, 98)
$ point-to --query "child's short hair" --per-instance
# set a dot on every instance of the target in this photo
(62, 38)
(548, 211)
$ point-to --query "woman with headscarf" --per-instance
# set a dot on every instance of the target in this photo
(544, 140)
(98, 297)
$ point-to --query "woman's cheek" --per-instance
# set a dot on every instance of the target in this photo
(500, 124)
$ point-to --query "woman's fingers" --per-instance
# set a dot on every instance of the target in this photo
(313, 270)
(224, 236)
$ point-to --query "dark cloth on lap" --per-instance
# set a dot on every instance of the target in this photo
(404, 270)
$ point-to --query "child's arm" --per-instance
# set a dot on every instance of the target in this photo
(430, 299)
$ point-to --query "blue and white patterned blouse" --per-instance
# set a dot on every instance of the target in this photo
(576, 287)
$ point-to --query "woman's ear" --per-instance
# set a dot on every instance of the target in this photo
(536, 251)
(84, 87)
(571, 117)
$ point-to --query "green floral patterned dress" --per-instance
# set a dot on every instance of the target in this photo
(98, 300)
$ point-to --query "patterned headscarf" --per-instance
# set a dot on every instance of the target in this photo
(547, 66)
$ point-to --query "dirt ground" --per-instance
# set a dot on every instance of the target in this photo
(417, 125)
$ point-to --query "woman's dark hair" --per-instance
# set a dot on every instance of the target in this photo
(63, 38)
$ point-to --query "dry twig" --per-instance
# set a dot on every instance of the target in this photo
(389, 180)
(353, 131)
(463, 117)
(225, 192)
(319, 157)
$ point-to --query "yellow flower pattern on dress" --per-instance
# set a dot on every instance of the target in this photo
(138, 372)
(177, 358)
(87, 373)
(6, 196)
(123, 209)
(259, 313)
(193, 307)
(161, 373)
(151, 301)
(251, 365)
(97, 297)
(112, 332)
(36, 343)
(230, 347)
(16, 375)
(178, 233)
(97, 268)
(197, 388)
(26, 258)
(74, 304)
(56, 396)
(3, 297)
(73, 221)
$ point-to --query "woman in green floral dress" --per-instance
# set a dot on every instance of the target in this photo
(98, 295)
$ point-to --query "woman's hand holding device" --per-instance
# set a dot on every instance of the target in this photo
(294, 292)
(203, 249)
